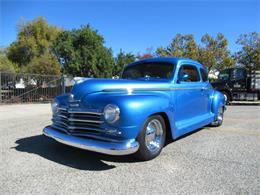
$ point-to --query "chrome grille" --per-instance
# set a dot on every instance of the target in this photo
(77, 122)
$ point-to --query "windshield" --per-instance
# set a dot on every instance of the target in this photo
(157, 70)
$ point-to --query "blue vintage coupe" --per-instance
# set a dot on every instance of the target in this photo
(155, 99)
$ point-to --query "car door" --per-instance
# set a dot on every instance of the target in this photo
(190, 100)
(206, 90)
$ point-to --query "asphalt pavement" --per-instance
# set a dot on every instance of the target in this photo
(223, 160)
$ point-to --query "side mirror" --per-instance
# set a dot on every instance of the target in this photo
(183, 77)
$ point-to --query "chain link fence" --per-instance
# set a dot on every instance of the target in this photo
(29, 88)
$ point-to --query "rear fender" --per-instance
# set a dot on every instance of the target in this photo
(218, 100)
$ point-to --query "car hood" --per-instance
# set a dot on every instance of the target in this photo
(117, 85)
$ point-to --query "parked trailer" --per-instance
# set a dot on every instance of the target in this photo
(239, 85)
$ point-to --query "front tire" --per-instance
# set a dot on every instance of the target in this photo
(151, 138)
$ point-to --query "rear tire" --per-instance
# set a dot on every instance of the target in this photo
(151, 138)
(227, 97)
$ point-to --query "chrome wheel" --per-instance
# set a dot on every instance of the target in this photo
(151, 138)
(219, 117)
(225, 98)
(153, 135)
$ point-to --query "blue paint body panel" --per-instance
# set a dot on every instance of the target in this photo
(187, 105)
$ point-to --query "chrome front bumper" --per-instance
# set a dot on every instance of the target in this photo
(105, 147)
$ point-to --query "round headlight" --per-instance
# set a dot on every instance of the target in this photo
(54, 106)
(111, 113)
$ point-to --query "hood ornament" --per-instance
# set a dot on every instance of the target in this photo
(72, 101)
(71, 97)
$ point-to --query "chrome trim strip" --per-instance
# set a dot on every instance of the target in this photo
(62, 116)
(201, 88)
(106, 147)
(71, 127)
(153, 89)
(85, 121)
(61, 108)
(78, 111)
(71, 119)
(65, 128)
(86, 128)
(60, 128)
(73, 101)
(85, 135)
(83, 112)
(136, 89)
(61, 123)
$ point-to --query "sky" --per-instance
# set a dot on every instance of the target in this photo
(134, 26)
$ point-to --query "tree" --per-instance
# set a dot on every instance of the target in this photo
(249, 55)
(103, 68)
(181, 46)
(121, 60)
(45, 64)
(214, 53)
(5, 64)
(149, 53)
(82, 53)
(144, 56)
(33, 40)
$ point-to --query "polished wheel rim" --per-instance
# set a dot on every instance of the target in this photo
(225, 98)
(153, 135)
(220, 114)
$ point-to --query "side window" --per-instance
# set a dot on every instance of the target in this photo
(188, 73)
(204, 74)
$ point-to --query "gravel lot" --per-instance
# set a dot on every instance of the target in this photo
(224, 160)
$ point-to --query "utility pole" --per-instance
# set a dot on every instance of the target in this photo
(62, 76)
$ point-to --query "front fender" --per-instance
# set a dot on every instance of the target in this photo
(134, 109)
(62, 99)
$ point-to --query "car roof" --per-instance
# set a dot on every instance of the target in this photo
(172, 60)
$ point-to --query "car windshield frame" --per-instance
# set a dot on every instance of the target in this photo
(144, 65)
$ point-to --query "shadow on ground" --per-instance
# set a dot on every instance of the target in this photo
(68, 156)
(75, 157)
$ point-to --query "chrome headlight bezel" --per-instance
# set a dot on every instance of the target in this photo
(54, 106)
(111, 113)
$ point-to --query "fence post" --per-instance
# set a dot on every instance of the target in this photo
(0, 88)
(62, 84)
